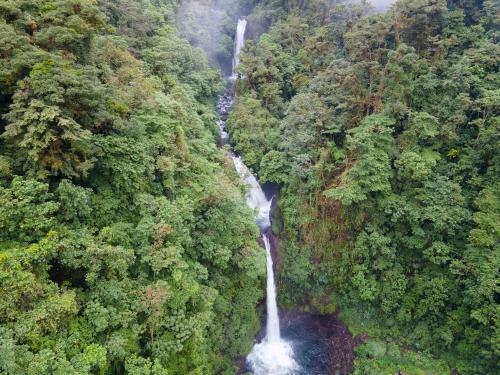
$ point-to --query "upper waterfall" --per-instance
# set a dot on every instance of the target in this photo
(239, 42)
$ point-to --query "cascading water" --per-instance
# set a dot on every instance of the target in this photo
(256, 199)
(273, 356)
(273, 323)
(239, 42)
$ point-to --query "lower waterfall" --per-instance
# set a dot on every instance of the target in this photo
(272, 356)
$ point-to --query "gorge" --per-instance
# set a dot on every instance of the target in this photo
(322, 344)
(273, 355)
(329, 205)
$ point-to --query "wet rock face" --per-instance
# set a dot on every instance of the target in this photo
(322, 342)
(223, 108)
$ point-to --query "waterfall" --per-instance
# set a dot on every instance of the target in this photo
(239, 42)
(256, 199)
(273, 320)
(273, 356)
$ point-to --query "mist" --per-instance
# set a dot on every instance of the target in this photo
(210, 24)
(382, 4)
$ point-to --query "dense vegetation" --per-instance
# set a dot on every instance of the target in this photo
(384, 134)
(125, 242)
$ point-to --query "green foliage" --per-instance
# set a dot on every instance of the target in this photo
(375, 357)
(385, 141)
(274, 167)
(45, 124)
(26, 210)
(258, 134)
(370, 169)
(125, 244)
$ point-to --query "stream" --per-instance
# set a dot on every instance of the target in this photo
(308, 345)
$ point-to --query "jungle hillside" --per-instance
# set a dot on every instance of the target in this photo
(126, 242)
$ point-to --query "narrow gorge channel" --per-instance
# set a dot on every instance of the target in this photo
(311, 345)
(273, 355)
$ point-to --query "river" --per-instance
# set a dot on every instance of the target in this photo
(310, 344)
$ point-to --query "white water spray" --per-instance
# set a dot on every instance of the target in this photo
(273, 356)
(239, 42)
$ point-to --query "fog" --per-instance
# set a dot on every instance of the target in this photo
(382, 4)
(209, 24)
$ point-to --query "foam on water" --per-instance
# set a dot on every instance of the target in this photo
(275, 358)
